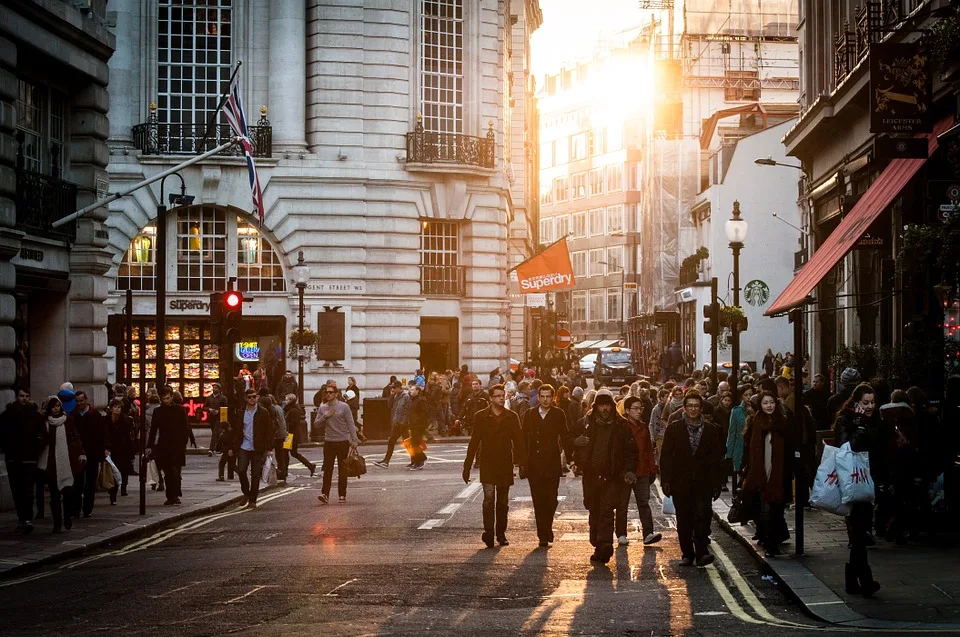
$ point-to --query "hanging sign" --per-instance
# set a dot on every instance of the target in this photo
(900, 89)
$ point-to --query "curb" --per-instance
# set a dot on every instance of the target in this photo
(817, 599)
(202, 451)
(76, 548)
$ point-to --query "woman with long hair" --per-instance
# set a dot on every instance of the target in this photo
(767, 470)
(120, 445)
(857, 423)
(60, 461)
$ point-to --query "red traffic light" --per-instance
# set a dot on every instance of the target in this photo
(232, 299)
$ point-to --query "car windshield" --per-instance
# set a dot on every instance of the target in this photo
(615, 357)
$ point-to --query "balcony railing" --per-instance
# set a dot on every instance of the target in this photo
(41, 200)
(852, 46)
(424, 147)
(442, 280)
(156, 138)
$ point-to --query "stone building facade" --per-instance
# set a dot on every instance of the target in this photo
(383, 140)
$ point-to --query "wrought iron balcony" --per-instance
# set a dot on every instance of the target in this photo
(851, 46)
(424, 147)
(442, 280)
(41, 200)
(156, 138)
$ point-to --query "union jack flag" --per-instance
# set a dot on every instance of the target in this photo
(233, 111)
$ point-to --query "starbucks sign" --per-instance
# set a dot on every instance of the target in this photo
(756, 292)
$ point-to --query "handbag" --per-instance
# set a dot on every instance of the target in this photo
(743, 509)
(288, 442)
(355, 464)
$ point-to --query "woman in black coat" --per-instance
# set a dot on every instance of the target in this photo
(120, 445)
(859, 424)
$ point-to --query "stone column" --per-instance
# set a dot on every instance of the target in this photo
(9, 236)
(126, 91)
(288, 75)
(89, 259)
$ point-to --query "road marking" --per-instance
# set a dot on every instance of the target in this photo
(248, 594)
(430, 524)
(333, 593)
(529, 498)
(176, 590)
(450, 508)
(711, 613)
(469, 491)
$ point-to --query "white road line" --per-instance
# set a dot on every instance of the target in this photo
(450, 508)
(469, 491)
(248, 594)
(333, 593)
(176, 590)
(430, 524)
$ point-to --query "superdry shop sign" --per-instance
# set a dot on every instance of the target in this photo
(547, 271)
(189, 305)
(900, 89)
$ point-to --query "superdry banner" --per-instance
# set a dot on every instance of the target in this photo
(549, 270)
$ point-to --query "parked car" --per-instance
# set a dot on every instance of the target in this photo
(586, 365)
(614, 367)
(727, 366)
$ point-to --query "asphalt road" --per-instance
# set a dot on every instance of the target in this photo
(403, 556)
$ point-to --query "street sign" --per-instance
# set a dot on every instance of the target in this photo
(564, 338)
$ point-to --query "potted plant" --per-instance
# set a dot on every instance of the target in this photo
(732, 316)
(302, 343)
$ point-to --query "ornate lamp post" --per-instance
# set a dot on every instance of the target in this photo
(301, 274)
(736, 232)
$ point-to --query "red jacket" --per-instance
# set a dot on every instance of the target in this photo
(646, 465)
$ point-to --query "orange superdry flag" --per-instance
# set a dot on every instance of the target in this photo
(549, 270)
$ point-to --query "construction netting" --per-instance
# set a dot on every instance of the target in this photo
(771, 18)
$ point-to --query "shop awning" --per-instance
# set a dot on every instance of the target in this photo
(585, 345)
(879, 195)
(600, 344)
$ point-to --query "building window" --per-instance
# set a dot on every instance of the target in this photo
(614, 258)
(546, 230)
(560, 189)
(596, 221)
(597, 141)
(194, 59)
(201, 249)
(614, 177)
(634, 171)
(578, 188)
(614, 297)
(597, 263)
(615, 218)
(596, 182)
(546, 193)
(40, 129)
(578, 306)
(136, 271)
(579, 225)
(579, 262)
(441, 64)
(614, 137)
(578, 147)
(191, 359)
(440, 243)
(258, 266)
(546, 155)
(562, 227)
(561, 151)
(597, 309)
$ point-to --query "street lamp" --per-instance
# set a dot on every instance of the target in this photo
(736, 233)
(301, 274)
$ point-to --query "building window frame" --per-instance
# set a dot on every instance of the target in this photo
(614, 304)
(41, 128)
(596, 182)
(546, 230)
(443, 91)
(579, 225)
(137, 269)
(578, 147)
(578, 306)
(614, 259)
(597, 305)
(614, 181)
(596, 262)
(578, 260)
(578, 186)
(614, 217)
(597, 222)
(561, 191)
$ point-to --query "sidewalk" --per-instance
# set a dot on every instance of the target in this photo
(920, 581)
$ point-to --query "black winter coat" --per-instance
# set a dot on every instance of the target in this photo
(502, 443)
(92, 428)
(621, 450)
(296, 421)
(23, 434)
(169, 434)
(866, 434)
(120, 437)
(544, 439)
(690, 474)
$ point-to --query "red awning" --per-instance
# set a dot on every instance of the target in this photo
(879, 195)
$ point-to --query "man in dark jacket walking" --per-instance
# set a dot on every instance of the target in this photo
(607, 456)
(690, 473)
(497, 430)
(212, 405)
(167, 443)
(287, 385)
(545, 435)
(92, 428)
(297, 425)
(477, 401)
(253, 442)
(22, 438)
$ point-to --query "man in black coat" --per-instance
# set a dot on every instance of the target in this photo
(252, 443)
(92, 427)
(497, 430)
(545, 435)
(607, 456)
(475, 402)
(22, 438)
(690, 473)
(167, 443)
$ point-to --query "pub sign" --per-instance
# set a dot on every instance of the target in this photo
(900, 89)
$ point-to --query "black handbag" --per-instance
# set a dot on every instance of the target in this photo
(744, 508)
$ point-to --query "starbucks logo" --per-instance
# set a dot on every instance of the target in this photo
(756, 292)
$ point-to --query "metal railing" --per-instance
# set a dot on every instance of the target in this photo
(424, 147)
(156, 138)
(41, 200)
(851, 46)
(443, 280)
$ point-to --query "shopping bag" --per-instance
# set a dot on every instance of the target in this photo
(153, 473)
(288, 442)
(826, 494)
(355, 464)
(853, 473)
(105, 479)
(269, 469)
(117, 477)
(668, 508)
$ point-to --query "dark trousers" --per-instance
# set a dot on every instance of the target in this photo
(85, 488)
(416, 446)
(124, 480)
(335, 451)
(544, 494)
(858, 528)
(214, 435)
(61, 503)
(641, 491)
(772, 527)
(496, 504)
(174, 480)
(601, 501)
(22, 475)
(299, 456)
(283, 460)
(229, 462)
(395, 435)
(41, 484)
(254, 460)
(693, 523)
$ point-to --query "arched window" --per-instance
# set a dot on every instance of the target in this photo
(201, 241)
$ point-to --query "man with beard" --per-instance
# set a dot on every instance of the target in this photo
(607, 456)
(497, 430)
(477, 401)
(545, 435)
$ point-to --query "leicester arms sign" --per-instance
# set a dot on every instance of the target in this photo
(900, 89)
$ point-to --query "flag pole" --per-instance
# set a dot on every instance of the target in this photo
(213, 117)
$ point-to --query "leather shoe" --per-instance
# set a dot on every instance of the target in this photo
(502, 541)
(487, 538)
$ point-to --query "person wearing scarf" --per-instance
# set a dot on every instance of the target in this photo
(767, 471)
(60, 461)
(690, 473)
(738, 423)
(646, 472)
